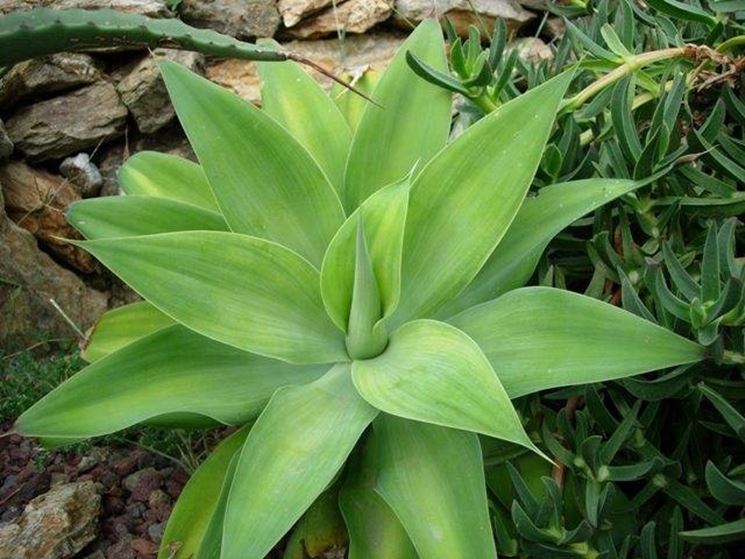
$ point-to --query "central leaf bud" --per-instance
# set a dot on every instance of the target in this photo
(366, 333)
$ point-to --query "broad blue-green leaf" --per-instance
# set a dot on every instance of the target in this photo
(462, 203)
(121, 326)
(374, 530)
(410, 126)
(243, 291)
(297, 102)
(294, 450)
(384, 216)
(364, 339)
(265, 182)
(128, 216)
(172, 371)
(433, 479)
(160, 175)
(433, 372)
(539, 337)
(539, 220)
(350, 104)
(198, 501)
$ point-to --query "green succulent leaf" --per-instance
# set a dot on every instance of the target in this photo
(172, 372)
(424, 366)
(160, 175)
(433, 479)
(539, 220)
(350, 104)
(463, 202)
(384, 217)
(211, 545)
(262, 298)
(293, 452)
(297, 102)
(130, 216)
(190, 518)
(320, 531)
(391, 138)
(374, 530)
(713, 535)
(538, 338)
(265, 182)
(122, 326)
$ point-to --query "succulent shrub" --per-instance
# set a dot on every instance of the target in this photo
(352, 300)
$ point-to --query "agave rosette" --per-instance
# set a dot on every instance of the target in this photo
(349, 290)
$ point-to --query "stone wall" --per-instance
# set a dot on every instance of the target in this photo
(68, 121)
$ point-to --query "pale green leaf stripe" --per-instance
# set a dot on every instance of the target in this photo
(246, 292)
(198, 501)
(293, 452)
(173, 371)
(265, 182)
(540, 337)
(297, 101)
(433, 479)
(463, 202)
(128, 216)
(410, 126)
(384, 217)
(539, 220)
(161, 175)
(121, 326)
(433, 372)
(375, 532)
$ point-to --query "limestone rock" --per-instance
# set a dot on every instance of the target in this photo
(6, 146)
(55, 525)
(293, 11)
(57, 127)
(354, 16)
(37, 200)
(82, 174)
(30, 279)
(531, 50)
(461, 13)
(47, 74)
(143, 92)
(373, 50)
(244, 19)
(150, 8)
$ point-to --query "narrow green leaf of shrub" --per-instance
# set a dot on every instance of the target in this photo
(433, 479)
(463, 202)
(172, 371)
(121, 326)
(425, 364)
(297, 101)
(198, 501)
(265, 182)
(684, 10)
(384, 217)
(149, 173)
(363, 339)
(262, 298)
(374, 530)
(731, 416)
(539, 220)
(531, 335)
(714, 535)
(129, 216)
(681, 278)
(436, 77)
(408, 127)
(723, 489)
(710, 266)
(294, 450)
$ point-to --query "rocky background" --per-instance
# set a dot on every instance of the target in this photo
(67, 122)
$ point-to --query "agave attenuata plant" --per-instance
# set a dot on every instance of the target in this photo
(348, 291)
